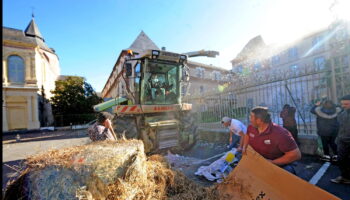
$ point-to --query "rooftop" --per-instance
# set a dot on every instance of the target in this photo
(143, 42)
(31, 35)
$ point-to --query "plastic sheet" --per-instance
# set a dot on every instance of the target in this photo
(219, 169)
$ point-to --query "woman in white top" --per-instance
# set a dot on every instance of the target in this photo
(236, 127)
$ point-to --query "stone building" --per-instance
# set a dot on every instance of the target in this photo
(310, 69)
(30, 69)
(203, 78)
(325, 50)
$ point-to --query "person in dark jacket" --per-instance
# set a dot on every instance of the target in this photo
(343, 141)
(289, 123)
(327, 126)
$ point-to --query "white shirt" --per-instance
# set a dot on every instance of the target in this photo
(237, 126)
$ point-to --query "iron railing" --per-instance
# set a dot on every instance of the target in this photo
(300, 88)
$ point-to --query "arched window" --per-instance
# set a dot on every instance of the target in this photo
(15, 69)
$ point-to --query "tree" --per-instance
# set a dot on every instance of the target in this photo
(73, 95)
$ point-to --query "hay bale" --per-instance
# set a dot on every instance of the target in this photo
(103, 170)
(184, 188)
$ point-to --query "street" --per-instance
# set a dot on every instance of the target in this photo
(14, 154)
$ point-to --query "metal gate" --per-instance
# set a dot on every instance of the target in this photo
(300, 88)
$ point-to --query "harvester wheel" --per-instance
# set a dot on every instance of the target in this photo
(189, 135)
(125, 124)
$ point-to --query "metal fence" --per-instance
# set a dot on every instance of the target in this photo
(300, 88)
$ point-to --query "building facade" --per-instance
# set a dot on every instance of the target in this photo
(325, 52)
(310, 69)
(205, 79)
(30, 69)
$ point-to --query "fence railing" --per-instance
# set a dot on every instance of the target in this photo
(298, 89)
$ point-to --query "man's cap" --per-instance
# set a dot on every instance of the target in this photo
(225, 119)
(346, 97)
(102, 116)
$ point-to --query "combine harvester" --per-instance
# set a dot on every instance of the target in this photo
(153, 110)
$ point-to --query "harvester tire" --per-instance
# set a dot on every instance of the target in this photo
(189, 134)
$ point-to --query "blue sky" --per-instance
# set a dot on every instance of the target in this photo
(89, 35)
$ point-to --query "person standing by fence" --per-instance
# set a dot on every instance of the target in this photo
(343, 141)
(289, 122)
(327, 126)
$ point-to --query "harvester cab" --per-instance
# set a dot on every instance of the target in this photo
(155, 77)
(150, 106)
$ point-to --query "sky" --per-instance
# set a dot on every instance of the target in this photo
(88, 35)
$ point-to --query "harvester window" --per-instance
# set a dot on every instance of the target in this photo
(161, 83)
(138, 70)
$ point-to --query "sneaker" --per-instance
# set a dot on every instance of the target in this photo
(340, 179)
(326, 158)
(335, 158)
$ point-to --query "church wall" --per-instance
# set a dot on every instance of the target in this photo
(47, 70)
(21, 101)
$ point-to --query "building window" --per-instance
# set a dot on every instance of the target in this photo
(201, 89)
(346, 60)
(275, 60)
(320, 63)
(184, 90)
(199, 72)
(257, 66)
(229, 77)
(294, 69)
(15, 69)
(238, 69)
(293, 53)
(217, 75)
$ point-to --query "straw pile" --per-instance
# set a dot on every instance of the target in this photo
(103, 170)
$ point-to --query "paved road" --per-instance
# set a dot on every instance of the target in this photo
(14, 154)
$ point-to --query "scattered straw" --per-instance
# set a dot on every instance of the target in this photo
(103, 170)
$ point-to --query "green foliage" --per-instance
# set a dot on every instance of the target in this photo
(73, 96)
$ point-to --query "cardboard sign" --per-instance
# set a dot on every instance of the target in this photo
(255, 178)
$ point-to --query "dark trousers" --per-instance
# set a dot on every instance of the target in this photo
(329, 141)
(294, 131)
(344, 159)
(290, 168)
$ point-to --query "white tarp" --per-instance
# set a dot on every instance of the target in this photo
(213, 171)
